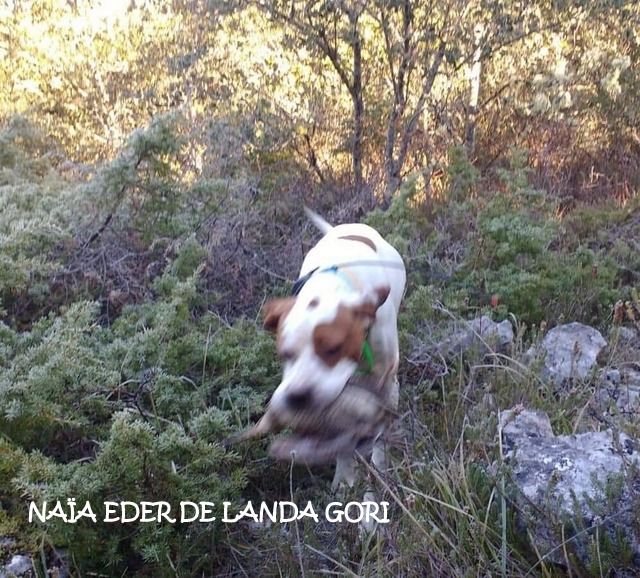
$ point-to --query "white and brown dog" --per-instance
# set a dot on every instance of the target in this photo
(350, 288)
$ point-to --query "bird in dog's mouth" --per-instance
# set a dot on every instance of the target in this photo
(350, 423)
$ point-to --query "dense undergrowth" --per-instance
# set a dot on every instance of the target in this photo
(153, 169)
(115, 395)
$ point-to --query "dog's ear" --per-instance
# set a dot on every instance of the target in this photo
(274, 310)
(382, 293)
(367, 310)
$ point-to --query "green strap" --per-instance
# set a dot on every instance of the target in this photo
(367, 357)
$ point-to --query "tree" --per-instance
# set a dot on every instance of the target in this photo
(334, 30)
(416, 36)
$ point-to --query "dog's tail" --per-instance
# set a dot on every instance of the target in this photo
(317, 220)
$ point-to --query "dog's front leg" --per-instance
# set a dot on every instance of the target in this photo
(345, 472)
(391, 389)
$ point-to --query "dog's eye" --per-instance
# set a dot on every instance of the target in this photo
(287, 355)
(333, 351)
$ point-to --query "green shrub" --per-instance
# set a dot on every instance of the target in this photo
(149, 186)
(136, 411)
(36, 214)
(515, 258)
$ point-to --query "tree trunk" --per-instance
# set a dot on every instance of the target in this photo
(358, 107)
(474, 81)
(393, 166)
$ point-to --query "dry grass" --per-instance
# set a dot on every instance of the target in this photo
(452, 512)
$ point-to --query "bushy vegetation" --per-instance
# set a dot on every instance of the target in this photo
(153, 163)
(135, 411)
(518, 258)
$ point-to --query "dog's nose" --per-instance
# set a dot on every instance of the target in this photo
(299, 399)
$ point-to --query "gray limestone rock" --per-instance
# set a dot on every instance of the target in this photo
(19, 565)
(619, 392)
(580, 481)
(481, 332)
(569, 352)
(625, 335)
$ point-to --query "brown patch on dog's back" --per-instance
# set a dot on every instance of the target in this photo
(360, 238)
(342, 338)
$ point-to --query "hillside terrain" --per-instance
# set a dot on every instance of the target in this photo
(155, 158)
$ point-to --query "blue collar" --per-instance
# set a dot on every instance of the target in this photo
(300, 283)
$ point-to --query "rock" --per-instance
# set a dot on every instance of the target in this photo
(610, 376)
(619, 390)
(625, 335)
(7, 543)
(631, 377)
(563, 480)
(19, 565)
(481, 332)
(569, 351)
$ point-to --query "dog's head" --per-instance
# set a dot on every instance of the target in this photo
(320, 337)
